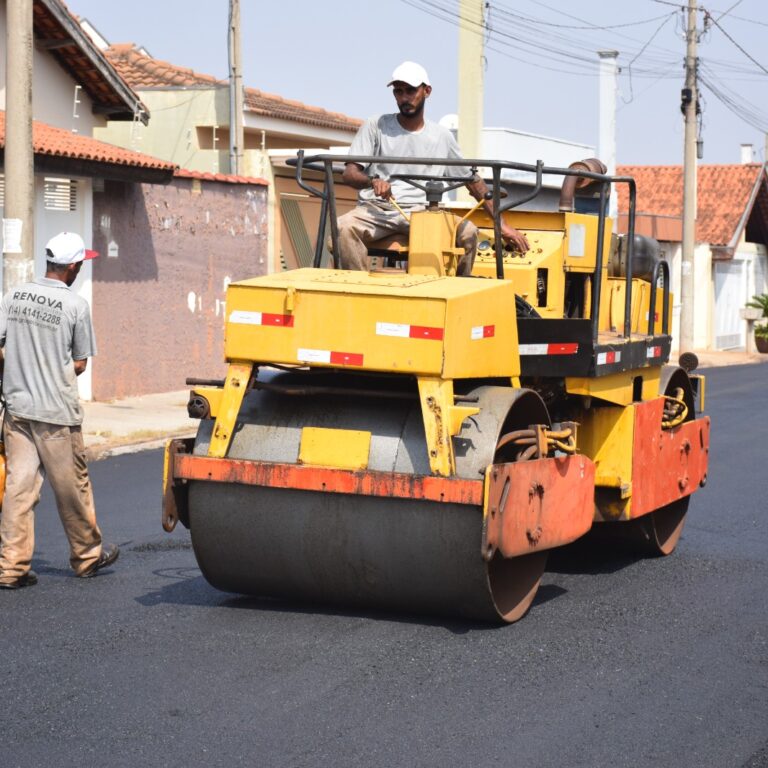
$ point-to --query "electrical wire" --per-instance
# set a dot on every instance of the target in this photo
(435, 10)
(570, 61)
(585, 26)
(733, 101)
(640, 53)
(511, 32)
(749, 56)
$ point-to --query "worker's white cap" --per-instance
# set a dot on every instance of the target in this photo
(68, 248)
(410, 72)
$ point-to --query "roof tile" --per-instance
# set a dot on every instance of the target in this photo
(143, 72)
(58, 142)
(226, 178)
(724, 193)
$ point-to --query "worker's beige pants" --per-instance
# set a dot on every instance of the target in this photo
(366, 223)
(35, 449)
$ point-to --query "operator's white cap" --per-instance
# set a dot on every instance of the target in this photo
(410, 72)
(68, 248)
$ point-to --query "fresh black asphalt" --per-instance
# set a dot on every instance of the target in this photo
(620, 662)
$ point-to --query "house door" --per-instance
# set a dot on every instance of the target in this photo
(730, 297)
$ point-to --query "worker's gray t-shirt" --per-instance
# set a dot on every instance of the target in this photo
(384, 136)
(44, 328)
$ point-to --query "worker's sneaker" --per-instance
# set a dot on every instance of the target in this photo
(109, 553)
(29, 579)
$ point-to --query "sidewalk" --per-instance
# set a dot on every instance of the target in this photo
(145, 422)
(135, 423)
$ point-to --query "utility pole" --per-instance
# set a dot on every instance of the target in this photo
(690, 101)
(235, 91)
(18, 214)
(471, 25)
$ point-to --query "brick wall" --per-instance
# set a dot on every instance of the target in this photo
(167, 255)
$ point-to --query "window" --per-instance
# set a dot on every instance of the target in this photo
(60, 194)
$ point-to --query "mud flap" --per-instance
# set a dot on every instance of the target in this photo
(536, 505)
(175, 489)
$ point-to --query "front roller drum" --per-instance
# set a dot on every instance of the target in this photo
(362, 551)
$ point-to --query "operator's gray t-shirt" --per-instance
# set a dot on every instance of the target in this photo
(384, 136)
(44, 328)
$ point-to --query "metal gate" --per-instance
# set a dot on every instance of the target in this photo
(730, 297)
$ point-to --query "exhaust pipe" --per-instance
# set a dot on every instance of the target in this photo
(572, 183)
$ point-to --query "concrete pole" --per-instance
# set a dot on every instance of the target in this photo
(606, 144)
(689, 101)
(18, 253)
(235, 91)
(471, 27)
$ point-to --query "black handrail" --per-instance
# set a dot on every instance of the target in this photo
(630, 253)
(663, 266)
(596, 281)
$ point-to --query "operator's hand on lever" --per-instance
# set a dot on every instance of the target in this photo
(381, 188)
(514, 237)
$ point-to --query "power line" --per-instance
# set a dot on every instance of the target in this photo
(725, 13)
(564, 53)
(582, 26)
(735, 103)
(440, 12)
(751, 21)
(708, 15)
(640, 53)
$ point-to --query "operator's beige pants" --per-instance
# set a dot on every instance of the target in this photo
(35, 449)
(366, 223)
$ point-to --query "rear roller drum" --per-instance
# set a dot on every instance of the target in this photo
(658, 532)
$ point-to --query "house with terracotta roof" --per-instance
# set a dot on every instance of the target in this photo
(170, 242)
(74, 89)
(731, 251)
(190, 127)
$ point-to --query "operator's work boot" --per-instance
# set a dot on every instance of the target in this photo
(109, 553)
(29, 579)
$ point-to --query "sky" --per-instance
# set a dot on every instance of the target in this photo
(541, 61)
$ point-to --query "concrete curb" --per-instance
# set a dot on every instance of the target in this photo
(99, 451)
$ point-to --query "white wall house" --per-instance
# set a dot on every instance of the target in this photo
(73, 89)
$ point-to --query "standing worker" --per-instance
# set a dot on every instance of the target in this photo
(405, 134)
(47, 337)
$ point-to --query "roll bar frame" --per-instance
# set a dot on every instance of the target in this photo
(324, 163)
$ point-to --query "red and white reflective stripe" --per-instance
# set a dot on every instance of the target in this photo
(483, 332)
(241, 317)
(608, 358)
(549, 349)
(329, 357)
(406, 331)
(653, 352)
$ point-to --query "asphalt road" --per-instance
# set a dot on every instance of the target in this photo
(620, 662)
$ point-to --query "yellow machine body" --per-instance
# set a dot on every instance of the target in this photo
(425, 325)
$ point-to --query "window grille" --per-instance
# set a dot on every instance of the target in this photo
(60, 194)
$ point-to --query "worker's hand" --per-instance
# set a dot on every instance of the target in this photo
(515, 238)
(381, 188)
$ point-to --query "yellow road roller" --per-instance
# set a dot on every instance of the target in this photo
(412, 440)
